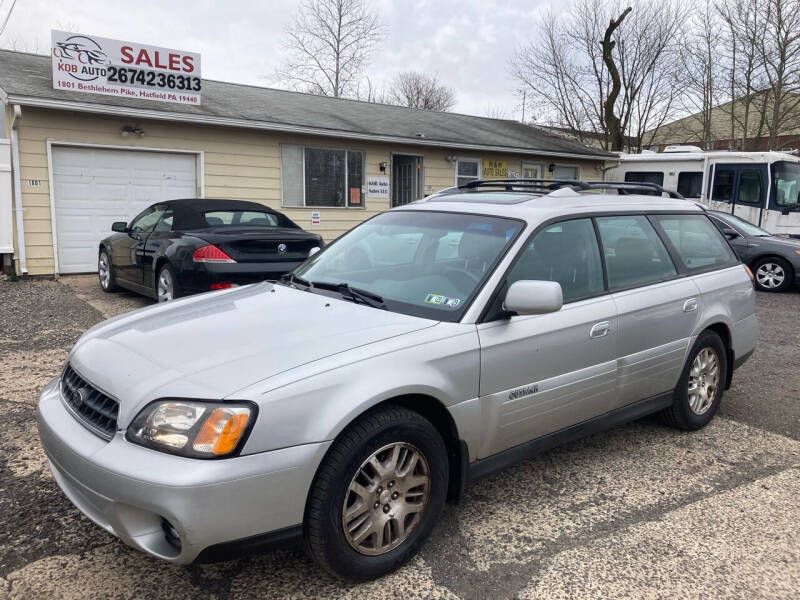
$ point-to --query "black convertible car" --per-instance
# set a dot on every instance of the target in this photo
(182, 247)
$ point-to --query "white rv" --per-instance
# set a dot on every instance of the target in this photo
(761, 187)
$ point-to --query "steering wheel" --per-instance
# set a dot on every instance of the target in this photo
(461, 278)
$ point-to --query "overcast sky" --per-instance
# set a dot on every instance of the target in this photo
(467, 42)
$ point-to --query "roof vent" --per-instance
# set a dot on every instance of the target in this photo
(678, 148)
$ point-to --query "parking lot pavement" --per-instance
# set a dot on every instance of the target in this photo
(639, 511)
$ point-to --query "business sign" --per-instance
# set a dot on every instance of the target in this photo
(378, 187)
(96, 65)
(494, 169)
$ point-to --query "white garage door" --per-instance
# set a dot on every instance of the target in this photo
(94, 187)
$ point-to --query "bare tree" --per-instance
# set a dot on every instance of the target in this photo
(578, 58)
(493, 111)
(328, 44)
(420, 90)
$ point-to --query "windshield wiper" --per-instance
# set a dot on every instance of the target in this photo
(351, 293)
(292, 279)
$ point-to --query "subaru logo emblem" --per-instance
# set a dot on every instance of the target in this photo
(282, 248)
(77, 397)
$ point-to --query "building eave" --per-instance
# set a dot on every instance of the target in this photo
(141, 113)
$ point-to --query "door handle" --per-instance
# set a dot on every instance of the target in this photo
(690, 305)
(600, 329)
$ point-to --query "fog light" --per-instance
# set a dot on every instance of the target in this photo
(171, 534)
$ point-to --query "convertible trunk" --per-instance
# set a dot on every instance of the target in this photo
(259, 245)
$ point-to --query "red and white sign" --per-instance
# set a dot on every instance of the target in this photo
(96, 65)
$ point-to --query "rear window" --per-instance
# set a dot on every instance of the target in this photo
(697, 242)
(219, 218)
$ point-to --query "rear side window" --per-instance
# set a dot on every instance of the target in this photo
(634, 253)
(698, 244)
(566, 252)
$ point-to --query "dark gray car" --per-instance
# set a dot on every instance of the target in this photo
(775, 261)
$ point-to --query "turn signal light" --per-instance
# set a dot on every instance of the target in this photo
(221, 431)
(211, 254)
(750, 273)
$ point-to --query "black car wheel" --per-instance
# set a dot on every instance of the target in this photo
(773, 274)
(167, 287)
(702, 383)
(377, 494)
(105, 273)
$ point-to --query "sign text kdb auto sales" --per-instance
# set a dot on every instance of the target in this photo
(95, 65)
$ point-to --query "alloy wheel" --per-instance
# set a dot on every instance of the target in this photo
(703, 380)
(385, 499)
(103, 270)
(770, 275)
(165, 286)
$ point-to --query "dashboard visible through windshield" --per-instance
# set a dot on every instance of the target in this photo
(423, 263)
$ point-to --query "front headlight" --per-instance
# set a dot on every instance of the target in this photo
(196, 429)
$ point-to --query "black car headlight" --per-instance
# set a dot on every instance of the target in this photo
(193, 428)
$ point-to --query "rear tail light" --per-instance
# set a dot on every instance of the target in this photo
(750, 273)
(220, 286)
(211, 254)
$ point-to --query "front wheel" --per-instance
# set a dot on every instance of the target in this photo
(773, 274)
(377, 494)
(702, 383)
(105, 274)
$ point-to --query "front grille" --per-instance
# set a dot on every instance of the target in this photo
(92, 407)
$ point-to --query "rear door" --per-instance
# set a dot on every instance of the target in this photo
(657, 307)
(740, 189)
(543, 373)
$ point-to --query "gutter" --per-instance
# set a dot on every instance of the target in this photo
(23, 263)
(143, 113)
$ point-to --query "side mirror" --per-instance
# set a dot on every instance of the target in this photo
(119, 226)
(526, 297)
(730, 233)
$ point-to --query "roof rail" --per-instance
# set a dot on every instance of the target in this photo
(549, 185)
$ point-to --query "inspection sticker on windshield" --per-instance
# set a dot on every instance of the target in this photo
(442, 300)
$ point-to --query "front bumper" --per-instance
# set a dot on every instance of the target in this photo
(129, 490)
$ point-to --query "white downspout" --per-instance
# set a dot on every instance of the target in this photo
(23, 263)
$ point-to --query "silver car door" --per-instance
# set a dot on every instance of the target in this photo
(543, 373)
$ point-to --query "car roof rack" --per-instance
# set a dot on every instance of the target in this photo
(546, 186)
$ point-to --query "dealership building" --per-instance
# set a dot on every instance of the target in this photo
(73, 162)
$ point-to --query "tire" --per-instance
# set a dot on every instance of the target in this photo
(694, 411)
(166, 277)
(377, 433)
(105, 273)
(773, 274)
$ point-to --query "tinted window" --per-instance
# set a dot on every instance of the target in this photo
(219, 218)
(690, 184)
(566, 252)
(633, 251)
(147, 219)
(656, 177)
(697, 242)
(749, 187)
(165, 224)
(723, 185)
(786, 183)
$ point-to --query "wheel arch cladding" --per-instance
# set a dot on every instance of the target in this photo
(724, 332)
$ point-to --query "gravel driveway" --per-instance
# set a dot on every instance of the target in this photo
(639, 511)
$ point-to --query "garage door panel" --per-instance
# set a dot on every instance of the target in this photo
(95, 187)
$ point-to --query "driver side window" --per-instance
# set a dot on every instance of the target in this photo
(147, 219)
(566, 253)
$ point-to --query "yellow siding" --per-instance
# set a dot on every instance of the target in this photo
(236, 163)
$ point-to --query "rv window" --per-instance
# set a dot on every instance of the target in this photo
(690, 184)
(656, 177)
(786, 183)
(723, 185)
(749, 187)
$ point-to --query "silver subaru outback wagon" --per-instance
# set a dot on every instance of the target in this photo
(429, 346)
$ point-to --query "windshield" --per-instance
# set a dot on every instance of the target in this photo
(422, 263)
(786, 183)
(746, 227)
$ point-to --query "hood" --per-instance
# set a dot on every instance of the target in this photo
(212, 345)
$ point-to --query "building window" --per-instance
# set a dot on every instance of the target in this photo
(690, 184)
(532, 170)
(566, 172)
(467, 169)
(321, 177)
